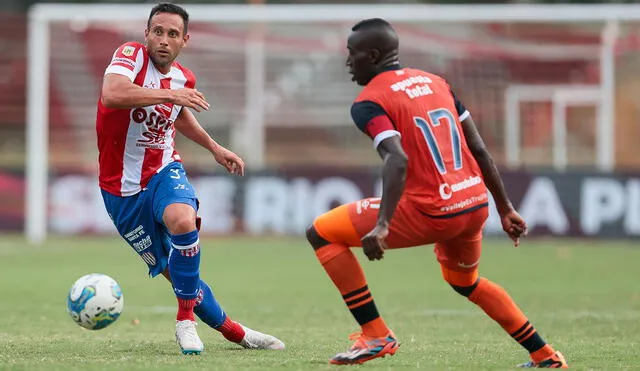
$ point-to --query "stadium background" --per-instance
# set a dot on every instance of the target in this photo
(309, 157)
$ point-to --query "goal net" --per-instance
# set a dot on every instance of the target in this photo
(540, 82)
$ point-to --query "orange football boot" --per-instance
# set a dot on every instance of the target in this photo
(366, 348)
(555, 361)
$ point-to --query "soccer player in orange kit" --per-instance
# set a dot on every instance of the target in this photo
(435, 175)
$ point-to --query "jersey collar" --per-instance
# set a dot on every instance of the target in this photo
(391, 67)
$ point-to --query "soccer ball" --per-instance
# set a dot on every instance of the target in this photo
(95, 301)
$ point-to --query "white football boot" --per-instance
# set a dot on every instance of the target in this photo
(257, 340)
(188, 338)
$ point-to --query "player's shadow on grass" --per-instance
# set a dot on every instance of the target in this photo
(318, 361)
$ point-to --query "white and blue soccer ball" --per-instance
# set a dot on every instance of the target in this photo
(95, 301)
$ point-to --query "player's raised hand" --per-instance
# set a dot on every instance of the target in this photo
(514, 225)
(229, 160)
(191, 98)
(373, 244)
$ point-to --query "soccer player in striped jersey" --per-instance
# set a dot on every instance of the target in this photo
(146, 97)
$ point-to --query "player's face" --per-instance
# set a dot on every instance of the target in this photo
(361, 59)
(165, 38)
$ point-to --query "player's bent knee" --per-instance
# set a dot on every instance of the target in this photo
(465, 290)
(315, 239)
(179, 218)
(178, 224)
(463, 282)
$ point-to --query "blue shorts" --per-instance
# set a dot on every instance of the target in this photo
(138, 218)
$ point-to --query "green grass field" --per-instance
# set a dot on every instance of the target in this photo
(583, 296)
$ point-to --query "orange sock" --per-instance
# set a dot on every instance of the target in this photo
(346, 273)
(543, 353)
(498, 305)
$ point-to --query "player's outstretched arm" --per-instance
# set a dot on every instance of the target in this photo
(489, 169)
(512, 223)
(187, 124)
(119, 92)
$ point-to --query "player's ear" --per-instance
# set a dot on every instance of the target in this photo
(374, 56)
(185, 39)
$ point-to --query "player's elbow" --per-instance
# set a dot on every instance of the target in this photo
(110, 99)
(481, 154)
(115, 95)
(399, 161)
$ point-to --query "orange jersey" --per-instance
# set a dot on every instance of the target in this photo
(443, 177)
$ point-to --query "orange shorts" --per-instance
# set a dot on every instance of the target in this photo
(457, 239)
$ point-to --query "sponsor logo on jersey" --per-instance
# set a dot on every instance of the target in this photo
(164, 109)
(414, 86)
(465, 203)
(367, 203)
(446, 190)
(413, 80)
(157, 124)
(142, 245)
(136, 233)
(128, 51)
(125, 62)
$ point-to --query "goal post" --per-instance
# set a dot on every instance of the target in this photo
(250, 132)
(561, 97)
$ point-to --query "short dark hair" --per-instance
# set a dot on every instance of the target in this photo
(371, 23)
(170, 8)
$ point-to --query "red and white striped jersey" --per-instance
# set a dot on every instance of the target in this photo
(134, 144)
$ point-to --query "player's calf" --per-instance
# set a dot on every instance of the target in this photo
(376, 339)
(498, 305)
(184, 269)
